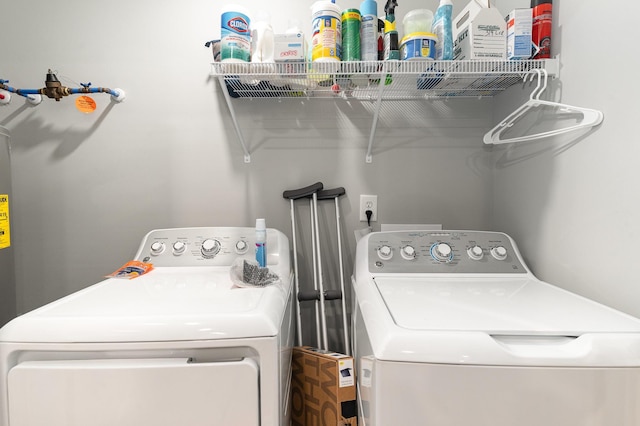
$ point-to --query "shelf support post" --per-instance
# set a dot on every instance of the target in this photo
(376, 113)
(232, 112)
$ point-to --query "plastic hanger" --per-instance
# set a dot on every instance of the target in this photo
(591, 117)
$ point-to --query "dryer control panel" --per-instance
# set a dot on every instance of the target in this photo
(207, 246)
(443, 252)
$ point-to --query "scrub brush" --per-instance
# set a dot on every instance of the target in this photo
(249, 274)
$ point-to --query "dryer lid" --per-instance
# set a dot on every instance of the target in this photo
(497, 307)
(167, 304)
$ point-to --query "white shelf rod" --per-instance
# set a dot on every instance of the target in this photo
(232, 112)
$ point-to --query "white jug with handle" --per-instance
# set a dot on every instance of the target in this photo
(262, 40)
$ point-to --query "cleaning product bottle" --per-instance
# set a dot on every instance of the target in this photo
(391, 48)
(262, 39)
(235, 36)
(442, 29)
(380, 39)
(326, 38)
(261, 242)
(369, 30)
(541, 28)
(351, 21)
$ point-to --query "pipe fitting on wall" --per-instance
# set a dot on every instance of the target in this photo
(55, 90)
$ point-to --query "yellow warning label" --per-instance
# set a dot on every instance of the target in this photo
(5, 234)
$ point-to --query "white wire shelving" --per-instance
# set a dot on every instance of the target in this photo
(376, 82)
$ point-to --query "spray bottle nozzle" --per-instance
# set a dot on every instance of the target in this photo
(390, 7)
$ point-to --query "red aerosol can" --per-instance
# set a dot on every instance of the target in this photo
(541, 31)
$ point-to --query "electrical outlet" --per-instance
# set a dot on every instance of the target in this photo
(368, 202)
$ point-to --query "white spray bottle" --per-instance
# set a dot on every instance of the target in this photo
(261, 242)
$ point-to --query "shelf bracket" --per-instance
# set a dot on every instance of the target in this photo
(232, 112)
(376, 114)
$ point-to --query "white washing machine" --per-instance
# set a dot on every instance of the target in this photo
(452, 329)
(178, 346)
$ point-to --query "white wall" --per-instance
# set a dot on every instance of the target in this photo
(88, 187)
(572, 203)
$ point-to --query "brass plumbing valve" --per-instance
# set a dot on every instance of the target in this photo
(53, 88)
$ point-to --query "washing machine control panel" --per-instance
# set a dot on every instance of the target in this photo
(443, 252)
(213, 246)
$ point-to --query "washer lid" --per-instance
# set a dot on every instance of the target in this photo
(497, 307)
(167, 304)
(491, 321)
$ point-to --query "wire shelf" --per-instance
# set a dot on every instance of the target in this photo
(374, 81)
(377, 80)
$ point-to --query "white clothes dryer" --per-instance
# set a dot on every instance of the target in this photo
(180, 345)
(452, 329)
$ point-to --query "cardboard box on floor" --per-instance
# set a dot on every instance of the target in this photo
(323, 388)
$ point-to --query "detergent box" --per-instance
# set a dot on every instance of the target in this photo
(323, 388)
(479, 32)
(289, 47)
(519, 24)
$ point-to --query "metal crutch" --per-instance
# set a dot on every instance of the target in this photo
(319, 294)
(293, 195)
(334, 194)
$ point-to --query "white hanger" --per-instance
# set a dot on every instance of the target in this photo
(591, 117)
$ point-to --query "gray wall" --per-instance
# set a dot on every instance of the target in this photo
(572, 203)
(88, 187)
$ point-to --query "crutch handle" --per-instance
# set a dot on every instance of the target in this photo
(305, 296)
(332, 295)
(295, 194)
(329, 194)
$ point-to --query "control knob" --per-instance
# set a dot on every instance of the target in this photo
(408, 252)
(442, 252)
(157, 247)
(179, 247)
(499, 253)
(242, 247)
(210, 247)
(475, 252)
(385, 252)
